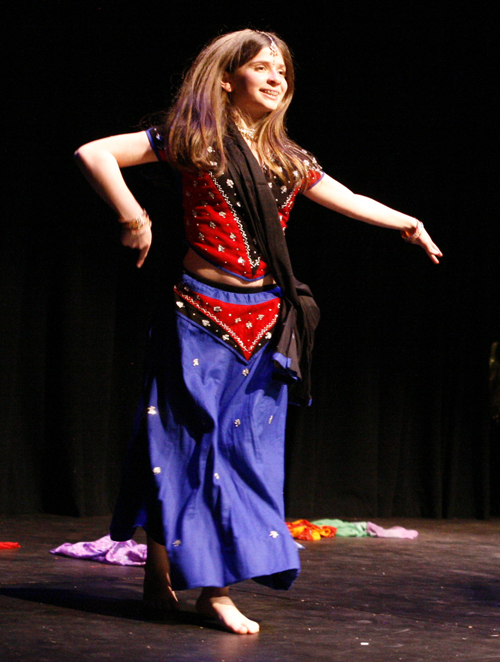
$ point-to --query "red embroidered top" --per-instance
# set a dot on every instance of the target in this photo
(214, 226)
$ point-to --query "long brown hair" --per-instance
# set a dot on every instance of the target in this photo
(196, 123)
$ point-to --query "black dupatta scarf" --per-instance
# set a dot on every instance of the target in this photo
(299, 312)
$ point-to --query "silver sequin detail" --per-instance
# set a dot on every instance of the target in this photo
(157, 470)
(237, 423)
(216, 476)
(176, 543)
(212, 224)
(230, 183)
(245, 372)
(274, 534)
(225, 336)
(196, 362)
(220, 248)
(289, 198)
(180, 304)
(253, 263)
(217, 309)
(268, 336)
(151, 411)
(205, 322)
(270, 419)
(249, 325)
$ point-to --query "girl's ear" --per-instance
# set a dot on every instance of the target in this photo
(226, 85)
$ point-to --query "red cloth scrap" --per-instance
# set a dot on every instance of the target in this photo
(302, 529)
(9, 545)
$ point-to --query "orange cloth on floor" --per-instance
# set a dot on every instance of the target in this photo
(302, 529)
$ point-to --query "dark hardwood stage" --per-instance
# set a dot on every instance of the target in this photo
(433, 598)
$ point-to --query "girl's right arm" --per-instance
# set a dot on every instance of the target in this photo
(101, 162)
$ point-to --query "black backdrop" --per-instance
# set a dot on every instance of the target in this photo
(395, 100)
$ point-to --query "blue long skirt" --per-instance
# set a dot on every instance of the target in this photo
(204, 473)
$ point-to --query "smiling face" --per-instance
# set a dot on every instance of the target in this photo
(258, 87)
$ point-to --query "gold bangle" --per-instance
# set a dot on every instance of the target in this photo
(413, 235)
(136, 224)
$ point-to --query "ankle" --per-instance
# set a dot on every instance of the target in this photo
(209, 592)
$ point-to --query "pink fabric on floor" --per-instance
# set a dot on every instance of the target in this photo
(105, 550)
(394, 532)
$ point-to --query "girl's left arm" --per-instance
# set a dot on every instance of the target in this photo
(330, 193)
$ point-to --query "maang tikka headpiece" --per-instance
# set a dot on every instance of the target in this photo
(272, 45)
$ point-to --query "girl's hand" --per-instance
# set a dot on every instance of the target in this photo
(140, 240)
(425, 241)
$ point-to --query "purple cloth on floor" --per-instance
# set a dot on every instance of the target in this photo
(394, 532)
(105, 550)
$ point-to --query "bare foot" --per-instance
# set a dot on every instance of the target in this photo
(216, 603)
(158, 592)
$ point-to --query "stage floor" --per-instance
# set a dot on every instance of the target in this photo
(384, 600)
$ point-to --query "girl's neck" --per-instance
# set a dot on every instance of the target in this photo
(245, 124)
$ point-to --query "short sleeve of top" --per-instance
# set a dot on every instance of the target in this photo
(157, 143)
(314, 176)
